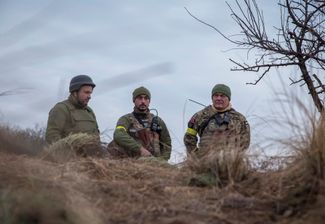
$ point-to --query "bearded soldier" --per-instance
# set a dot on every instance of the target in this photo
(140, 133)
(218, 125)
(73, 115)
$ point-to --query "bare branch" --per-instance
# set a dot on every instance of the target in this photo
(321, 85)
(256, 68)
(259, 79)
(295, 82)
(299, 40)
(213, 27)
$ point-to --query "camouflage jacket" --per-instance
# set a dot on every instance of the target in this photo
(134, 130)
(217, 129)
(68, 117)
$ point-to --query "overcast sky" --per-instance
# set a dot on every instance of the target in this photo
(123, 45)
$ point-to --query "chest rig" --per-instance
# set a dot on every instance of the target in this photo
(219, 121)
(146, 129)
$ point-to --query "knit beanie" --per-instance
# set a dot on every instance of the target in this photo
(221, 88)
(141, 91)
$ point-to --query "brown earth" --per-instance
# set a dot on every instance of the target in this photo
(101, 190)
(91, 190)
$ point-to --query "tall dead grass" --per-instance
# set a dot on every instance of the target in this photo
(19, 141)
(296, 186)
(219, 166)
(303, 180)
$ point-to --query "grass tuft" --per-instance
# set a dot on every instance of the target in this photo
(219, 166)
(72, 147)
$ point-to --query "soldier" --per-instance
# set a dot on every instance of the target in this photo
(218, 125)
(140, 133)
(73, 115)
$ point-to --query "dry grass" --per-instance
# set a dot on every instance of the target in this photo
(72, 147)
(225, 166)
(35, 191)
(15, 140)
(69, 186)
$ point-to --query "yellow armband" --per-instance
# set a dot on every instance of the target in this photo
(121, 127)
(191, 131)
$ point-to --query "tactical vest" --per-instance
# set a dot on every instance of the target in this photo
(141, 131)
(222, 130)
(81, 120)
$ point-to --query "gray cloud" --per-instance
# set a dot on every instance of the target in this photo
(121, 45)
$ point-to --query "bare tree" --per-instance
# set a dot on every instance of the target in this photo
(300, 41)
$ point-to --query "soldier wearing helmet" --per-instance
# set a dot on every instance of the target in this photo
(218, 125)
(140, 133)
(73, 115)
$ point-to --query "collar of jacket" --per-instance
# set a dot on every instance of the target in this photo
(221, 111)
(140, 113)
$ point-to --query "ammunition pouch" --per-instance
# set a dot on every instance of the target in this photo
(155, 126)
(150, 140)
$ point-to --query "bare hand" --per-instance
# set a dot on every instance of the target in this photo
(144, 152)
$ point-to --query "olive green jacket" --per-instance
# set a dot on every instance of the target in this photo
(68, 117)
(229, 130)
(126, 134)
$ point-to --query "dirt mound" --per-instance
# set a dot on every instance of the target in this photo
(87, 189)
(91, 190)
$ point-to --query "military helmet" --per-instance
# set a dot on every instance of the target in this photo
(80, 80)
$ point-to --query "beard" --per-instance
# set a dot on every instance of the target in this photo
(142, 108)
(84, 102)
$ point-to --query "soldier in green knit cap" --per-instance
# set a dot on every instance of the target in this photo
(218, 128)
(140, 133)
(218, 123)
